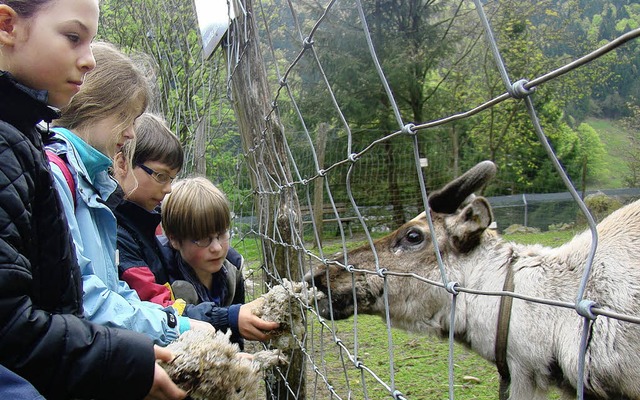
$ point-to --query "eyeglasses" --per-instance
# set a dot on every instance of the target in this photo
(222, 238)
(160, 177)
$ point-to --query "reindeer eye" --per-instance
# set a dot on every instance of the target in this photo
(414, 237)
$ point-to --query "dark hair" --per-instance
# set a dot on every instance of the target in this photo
(155, 142)
(25, 8)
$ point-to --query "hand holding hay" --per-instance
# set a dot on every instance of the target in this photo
(209, 367)
(284, 304)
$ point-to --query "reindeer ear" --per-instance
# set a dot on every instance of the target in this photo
(420, 216)
(448, 199)
(467, 226)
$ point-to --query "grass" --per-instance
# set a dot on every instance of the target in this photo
(420, 362)
(615, 142)
(547, 238)
(420, 365)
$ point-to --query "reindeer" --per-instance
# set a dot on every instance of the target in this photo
(542, 344)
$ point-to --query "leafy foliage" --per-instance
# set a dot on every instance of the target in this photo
(190, 91)
(437, 63)
(632, 152)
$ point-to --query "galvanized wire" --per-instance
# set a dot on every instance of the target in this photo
(314, 254)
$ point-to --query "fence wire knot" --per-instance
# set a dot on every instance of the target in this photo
(451, 288)
(353, 157)
(398, 395)
(518, 91)
(283, 82)
(308, 42)
(584, 309)
(322, 172)
(381, 272)
(409, 129)
(358, 364)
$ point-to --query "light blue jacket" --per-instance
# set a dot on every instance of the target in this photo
(107, 300)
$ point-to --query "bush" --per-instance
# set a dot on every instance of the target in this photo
(600, 205)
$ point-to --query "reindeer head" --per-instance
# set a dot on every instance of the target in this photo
(459, 220)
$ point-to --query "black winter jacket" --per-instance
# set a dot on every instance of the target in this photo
(142, 263)
(43, 336)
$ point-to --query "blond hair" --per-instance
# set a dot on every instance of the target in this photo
(116, 86)
(195, 209)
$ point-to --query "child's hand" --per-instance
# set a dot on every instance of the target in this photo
(251, 326)
(163, 387)
(245, 356)
(201, 325)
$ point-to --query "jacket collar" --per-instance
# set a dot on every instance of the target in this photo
(131, 214)
(94, 161)
(20, 104)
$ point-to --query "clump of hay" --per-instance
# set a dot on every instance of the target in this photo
(209, 367)
(285, 304)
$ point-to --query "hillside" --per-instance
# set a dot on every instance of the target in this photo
(615, 142)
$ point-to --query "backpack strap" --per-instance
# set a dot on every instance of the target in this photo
(57, 160)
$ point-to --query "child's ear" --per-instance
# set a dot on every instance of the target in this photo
(8, 18)
(120, 166)
(174, 242)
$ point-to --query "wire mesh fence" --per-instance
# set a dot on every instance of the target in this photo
(349, 161)
(315, 179)
(548, 211)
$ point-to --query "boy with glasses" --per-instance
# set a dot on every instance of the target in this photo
(153, 269)
(145, 170)
(196, 219)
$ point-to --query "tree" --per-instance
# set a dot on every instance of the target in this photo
(408, 38)
(264, 143)
(191, 92)
(504, 133)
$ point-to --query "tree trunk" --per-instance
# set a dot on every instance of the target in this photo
(199, 148)
(397, 213)
(318, 199)
(455, 150)
(264, 146)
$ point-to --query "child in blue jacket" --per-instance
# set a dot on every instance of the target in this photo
(92, 129)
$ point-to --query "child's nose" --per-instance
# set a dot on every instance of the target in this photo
(215, 245)
(86, 61)
(129, 133)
